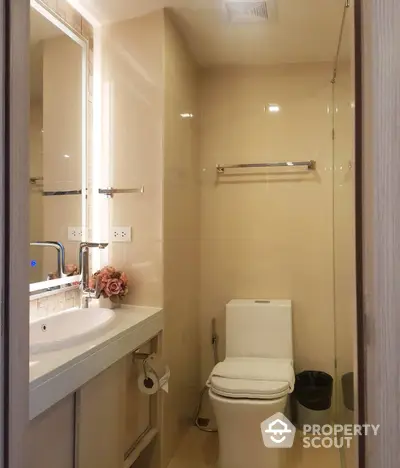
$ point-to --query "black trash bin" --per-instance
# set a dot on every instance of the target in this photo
(313, 393)
(348, 390)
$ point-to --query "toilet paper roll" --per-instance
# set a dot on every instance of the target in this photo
(154, 377)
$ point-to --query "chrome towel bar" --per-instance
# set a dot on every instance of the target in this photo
(110, 191)
(309, 164)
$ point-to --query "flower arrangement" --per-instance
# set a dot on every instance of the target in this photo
(110, 283)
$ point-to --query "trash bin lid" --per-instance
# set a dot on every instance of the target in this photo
(257, 378)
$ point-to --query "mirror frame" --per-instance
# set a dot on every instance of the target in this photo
(70, 22)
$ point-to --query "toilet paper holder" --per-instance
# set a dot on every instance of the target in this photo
(154, 370)
(143, 356)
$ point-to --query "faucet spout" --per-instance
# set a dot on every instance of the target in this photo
(84, 269)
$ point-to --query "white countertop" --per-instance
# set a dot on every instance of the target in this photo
(56, 374)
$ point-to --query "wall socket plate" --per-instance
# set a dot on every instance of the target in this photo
(121, 234)
(75, 233)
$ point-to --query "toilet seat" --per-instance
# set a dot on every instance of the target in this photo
(252, 378)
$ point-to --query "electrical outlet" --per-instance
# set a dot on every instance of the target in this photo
(75, 233)
(121, 234)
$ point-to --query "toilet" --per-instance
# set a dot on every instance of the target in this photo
(253, 382)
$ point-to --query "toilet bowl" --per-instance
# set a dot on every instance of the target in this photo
(253, 382)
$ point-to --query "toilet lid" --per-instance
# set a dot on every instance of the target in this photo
(256, 378)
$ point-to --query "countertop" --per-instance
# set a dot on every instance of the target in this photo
(56, 374)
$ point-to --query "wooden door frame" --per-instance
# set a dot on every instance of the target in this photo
(378, 226)
(360, 357)
(14, 240)
(2, 232)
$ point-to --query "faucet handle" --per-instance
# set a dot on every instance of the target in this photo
(91, 245)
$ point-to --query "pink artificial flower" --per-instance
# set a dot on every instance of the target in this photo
(104, 280)
(113, 287)
(110, 282)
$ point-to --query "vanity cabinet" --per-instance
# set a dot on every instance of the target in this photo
(106, 423)
(100, 419)
(111, 417)
(51, 437)
(137, 406)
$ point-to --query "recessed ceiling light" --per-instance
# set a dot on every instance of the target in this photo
(66, 155)
(273, 108)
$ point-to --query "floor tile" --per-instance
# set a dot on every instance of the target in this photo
(200, 450)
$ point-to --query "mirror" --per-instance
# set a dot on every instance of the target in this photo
(57, 146)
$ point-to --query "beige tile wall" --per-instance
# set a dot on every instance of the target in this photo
(268, 235)
(181, 237)
(133, 92)
(148, 80)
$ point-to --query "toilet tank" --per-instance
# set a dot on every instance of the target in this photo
(259, 328)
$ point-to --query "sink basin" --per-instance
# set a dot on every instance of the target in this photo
(67, 328)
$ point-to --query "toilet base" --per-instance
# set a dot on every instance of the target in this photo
(240, 440)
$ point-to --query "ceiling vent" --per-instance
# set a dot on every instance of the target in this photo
(248, 11)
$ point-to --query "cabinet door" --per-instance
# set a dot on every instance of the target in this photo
(137, 409)
(100, 420)
(51, 437)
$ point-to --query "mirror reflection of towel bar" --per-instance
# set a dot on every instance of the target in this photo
(35, 180)
(37, 183)
(309, 164)
(61, 192)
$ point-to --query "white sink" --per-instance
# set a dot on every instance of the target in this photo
(67, 328)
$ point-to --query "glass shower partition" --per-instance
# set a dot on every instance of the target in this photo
(344, 233)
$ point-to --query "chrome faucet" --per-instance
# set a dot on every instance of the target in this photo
(61, 273)
(87, 292)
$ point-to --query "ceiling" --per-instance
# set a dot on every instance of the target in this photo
(297, 31)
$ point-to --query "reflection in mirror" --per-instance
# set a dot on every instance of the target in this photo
(57, 146)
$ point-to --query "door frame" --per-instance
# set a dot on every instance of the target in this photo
(14, 240)
(378, 228)
(359, 383)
